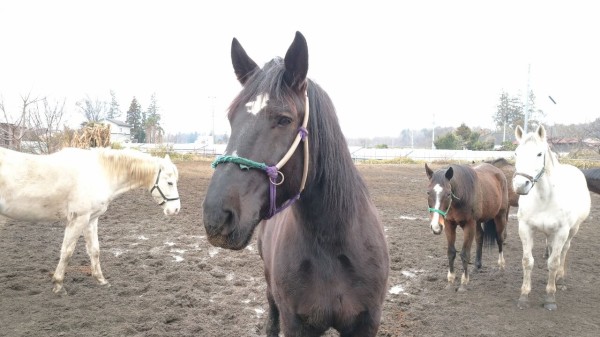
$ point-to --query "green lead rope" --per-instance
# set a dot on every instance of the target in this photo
(244, 163)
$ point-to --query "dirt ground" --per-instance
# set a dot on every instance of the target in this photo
(166, 279)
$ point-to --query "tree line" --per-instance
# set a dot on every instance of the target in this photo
(146, 127)
(39, 121)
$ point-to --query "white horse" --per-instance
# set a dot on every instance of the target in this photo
(77, 185)
(554, 200)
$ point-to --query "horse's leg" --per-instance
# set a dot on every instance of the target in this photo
(272, 324)
(366, 324)
(92, 246)
(450, 230)
(294, 325)
(547, 250)
(465, 254)
(72, 233)
(500, 221)
(557, 241)
(560, 274)
(479, 241)
(526, 235)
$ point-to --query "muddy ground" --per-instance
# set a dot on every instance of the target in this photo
(166, 279)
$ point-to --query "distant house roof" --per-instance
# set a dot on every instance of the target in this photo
(117, 122)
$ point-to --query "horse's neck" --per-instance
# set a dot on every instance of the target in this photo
(131, 173)
(544, 185)
(328, 217)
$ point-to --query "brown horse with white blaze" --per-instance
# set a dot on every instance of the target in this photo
(466, 197)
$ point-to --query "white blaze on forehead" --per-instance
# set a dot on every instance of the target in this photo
(254, 107)
(435, 219)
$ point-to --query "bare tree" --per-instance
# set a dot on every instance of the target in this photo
(13, 127)
(44, 124)
(93, 110)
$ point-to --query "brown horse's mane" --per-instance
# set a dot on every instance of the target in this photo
(332, 172)
(462, 183)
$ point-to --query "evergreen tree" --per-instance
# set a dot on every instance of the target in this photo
(154, 131)
(114, 111)
(134, 118)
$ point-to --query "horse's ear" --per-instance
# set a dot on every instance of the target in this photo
(449, 173)
(243, 65)
(518, 133)
(541, 132)
(296, 63)
(428, 171)
(167, 157)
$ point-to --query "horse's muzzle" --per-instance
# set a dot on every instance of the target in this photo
(440, 224)
(522, 184)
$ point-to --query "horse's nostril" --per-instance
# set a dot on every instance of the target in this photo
(228, 222)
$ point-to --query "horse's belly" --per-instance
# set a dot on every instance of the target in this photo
(29, 211)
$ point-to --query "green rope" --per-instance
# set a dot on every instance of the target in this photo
(439, 211)
(442, 213)
(244, 163)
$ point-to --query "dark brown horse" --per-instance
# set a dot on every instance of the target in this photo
(468, 196)
(325, 256)
(592, 177)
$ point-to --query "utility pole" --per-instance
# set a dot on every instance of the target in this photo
(527, 100)
(433, 133)
(212, 107)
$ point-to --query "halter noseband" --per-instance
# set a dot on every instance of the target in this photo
(165, 199)
(439, 211)
(273, 171)
(535, 179)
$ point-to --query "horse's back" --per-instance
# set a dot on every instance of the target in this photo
(573, 190)
(40, 187)
(569, 201)
(492, 179)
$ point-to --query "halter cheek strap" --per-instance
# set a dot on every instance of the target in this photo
(535, 179)
(276, 177)
(156, 187)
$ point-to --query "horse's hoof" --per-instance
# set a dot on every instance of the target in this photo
(462, 289)
(550, 302)
(59, 290)
(523, 302)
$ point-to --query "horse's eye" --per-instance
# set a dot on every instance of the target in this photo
(283, 121)
(539, 154)
(170, 183)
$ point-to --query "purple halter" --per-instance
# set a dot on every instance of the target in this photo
(274, 172)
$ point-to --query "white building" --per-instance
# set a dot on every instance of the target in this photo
(120, 132)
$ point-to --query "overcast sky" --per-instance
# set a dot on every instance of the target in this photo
(388, 65)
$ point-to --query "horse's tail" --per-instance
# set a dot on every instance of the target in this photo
(489, 234)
